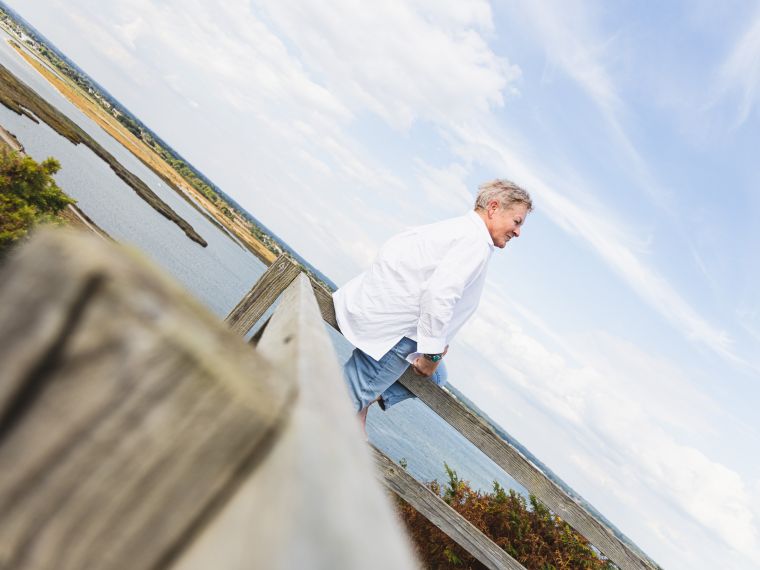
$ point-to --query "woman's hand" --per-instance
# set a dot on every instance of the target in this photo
(424, 367)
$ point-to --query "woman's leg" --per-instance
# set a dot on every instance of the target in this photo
(397, 392)
(367, 378)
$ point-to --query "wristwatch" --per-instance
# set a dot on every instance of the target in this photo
(433, 357)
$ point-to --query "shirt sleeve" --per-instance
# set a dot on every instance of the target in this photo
(458, 268)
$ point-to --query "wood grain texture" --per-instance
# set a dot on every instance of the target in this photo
(128, 413)
(443, 516)
(263, 293)
(524, 472)
(325, 302)
(314, 503)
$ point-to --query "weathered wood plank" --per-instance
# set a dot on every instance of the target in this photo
(524, 472)
(325, 302)
(263, 293)
(314, 502)
(443, 516)
(128, 414)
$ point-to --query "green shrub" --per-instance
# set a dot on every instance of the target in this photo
(526, 530)
(28, 195)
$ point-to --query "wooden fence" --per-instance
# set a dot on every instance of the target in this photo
(137, 432)
(473, 428)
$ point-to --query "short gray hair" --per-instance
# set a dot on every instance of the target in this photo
(505, 192)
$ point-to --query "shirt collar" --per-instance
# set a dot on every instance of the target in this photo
(481, 225)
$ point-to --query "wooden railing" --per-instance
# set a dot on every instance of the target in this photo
(138, 432)
(472, 428)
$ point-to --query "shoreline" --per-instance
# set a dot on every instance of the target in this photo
(23, 100)
(9, 140)
(82, 101)
(75, 217)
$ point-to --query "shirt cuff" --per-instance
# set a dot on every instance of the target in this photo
(431, 344)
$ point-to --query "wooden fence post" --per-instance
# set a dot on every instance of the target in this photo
(314, 502)
(128, 413)
(263, 293)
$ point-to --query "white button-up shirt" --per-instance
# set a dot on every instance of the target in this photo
(424, 284)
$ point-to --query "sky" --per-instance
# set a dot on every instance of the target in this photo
(619, 337)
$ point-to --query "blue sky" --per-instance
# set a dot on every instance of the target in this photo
(618, 337)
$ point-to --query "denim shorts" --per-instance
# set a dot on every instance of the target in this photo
(368, 378)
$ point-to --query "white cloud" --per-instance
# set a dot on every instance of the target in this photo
(130, 31)
(110, 45)
(710, 492)
(297, 77)
(634, 425)
(265, 109)
(605, 233)
(568, 33)
(740, 73)
(435, 64)
(445, 187)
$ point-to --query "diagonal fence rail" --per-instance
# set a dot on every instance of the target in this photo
(430, 505)
(482, 436)
(255, 304)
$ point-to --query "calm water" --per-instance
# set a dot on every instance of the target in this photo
(220, 274)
